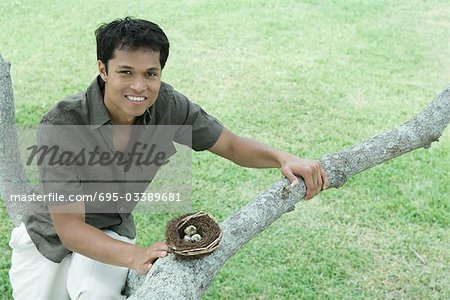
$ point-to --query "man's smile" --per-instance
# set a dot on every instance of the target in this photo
(136, 99)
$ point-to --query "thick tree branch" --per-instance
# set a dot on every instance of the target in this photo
(173, 279)
(422, 130)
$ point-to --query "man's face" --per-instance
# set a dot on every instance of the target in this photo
(132, 83)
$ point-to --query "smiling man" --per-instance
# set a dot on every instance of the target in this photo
(73, 253)
(134, 81)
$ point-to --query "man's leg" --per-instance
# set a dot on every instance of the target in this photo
(91, 280)
(33, 276)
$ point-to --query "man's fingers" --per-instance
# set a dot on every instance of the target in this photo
(313, 175)
(314, 185)
(319, 178)
(144, 269)
(309, 187)
(154, 255)
(157, 250)
(290, 176)
(324, 178)
(159, 246)
(148, 267)
(319, 182)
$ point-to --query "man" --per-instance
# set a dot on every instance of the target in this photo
(73, 253)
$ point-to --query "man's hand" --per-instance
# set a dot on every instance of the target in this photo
(310, 170)
(145, 257)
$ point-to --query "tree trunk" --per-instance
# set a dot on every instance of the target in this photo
(12, 175)
(171, 278)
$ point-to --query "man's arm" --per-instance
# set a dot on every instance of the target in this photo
(82, 238)
(251, 153)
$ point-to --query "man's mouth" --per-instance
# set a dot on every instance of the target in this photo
(136, 98)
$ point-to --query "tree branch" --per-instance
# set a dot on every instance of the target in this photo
(173, 279)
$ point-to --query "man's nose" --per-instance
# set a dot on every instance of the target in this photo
(138, 85)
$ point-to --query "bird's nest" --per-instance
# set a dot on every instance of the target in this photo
(205, 225)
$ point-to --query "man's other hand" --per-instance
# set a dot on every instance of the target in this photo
(145, 257)
(310, 170)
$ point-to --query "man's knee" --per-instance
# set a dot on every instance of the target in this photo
(90, 279)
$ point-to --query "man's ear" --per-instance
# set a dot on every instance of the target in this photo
(102, 70)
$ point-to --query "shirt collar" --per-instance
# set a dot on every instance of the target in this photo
(98, 115)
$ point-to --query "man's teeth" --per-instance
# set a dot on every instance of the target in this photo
(136, 99)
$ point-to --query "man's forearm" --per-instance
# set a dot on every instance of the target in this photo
(251, 153)
(89, 241)
(82, 238)
(247, 152)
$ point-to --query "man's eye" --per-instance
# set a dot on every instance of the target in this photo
(152, 74)
(125, 72)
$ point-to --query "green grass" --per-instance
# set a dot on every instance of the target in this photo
(308, 77)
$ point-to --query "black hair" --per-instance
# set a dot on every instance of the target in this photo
(130, 33)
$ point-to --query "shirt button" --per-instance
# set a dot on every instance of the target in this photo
(121, 209)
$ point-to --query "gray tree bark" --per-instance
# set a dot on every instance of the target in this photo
(171, 278)
(12, 175)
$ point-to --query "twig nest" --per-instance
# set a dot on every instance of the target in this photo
(193, 235)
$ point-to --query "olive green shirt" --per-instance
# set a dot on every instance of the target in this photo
(87, 108)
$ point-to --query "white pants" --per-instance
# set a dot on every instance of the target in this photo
(77, 277)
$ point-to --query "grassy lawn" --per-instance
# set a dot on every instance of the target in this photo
(308, 77)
